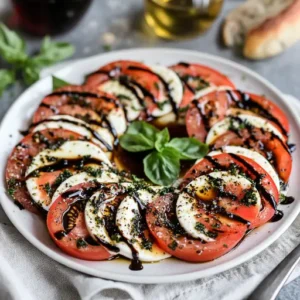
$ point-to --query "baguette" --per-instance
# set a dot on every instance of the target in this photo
(263, 27)
(274, 35)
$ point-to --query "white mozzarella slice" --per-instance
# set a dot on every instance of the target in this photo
(210, 89)
(82, 177)
(98, 231)
(175, 87)
(224, 125)
(126, 96)
(69, 150)
(128, 212)
(186, 206)
(117, 120)
(94, 220)
(258, 158)
(78, 126)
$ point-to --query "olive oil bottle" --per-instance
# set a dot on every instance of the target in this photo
(177, 19)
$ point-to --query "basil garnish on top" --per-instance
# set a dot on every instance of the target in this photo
(162, 164)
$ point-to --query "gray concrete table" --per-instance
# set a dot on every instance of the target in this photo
(123, 19)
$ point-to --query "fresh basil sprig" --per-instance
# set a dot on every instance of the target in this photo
(58, 83)
(162, 164)
(25, 67)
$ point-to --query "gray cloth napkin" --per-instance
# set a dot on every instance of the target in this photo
(28, 274)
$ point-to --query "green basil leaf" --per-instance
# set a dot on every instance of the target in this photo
(52, 52)
(162, 138)
(189, 148)
(7, 77)
(143, 128)
(135, 142)
(58, 83)
(31, 74)
(12, 46)
(162, 167)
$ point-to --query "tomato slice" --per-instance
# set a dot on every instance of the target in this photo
(263, 181)
(205, 112)
(66, 226)
(21, 157)
(78, 101)
(132, 73)
(266, 143)
(196, 77)
(214, 106)
(171, 238)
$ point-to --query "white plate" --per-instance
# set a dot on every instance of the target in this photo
(33, 227)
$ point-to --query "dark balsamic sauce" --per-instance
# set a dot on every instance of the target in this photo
(20, 206)
(248, 104)
(287, 200)
(277, 216)
(184, 64)
(204, 117)
(165, 84)
(93, 132)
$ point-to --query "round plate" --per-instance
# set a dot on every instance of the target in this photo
(171, 270)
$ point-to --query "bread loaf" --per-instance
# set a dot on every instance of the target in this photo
(264, 27)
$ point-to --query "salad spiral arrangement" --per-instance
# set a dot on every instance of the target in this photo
(147, 162)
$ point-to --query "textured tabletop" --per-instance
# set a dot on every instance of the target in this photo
(123, 19)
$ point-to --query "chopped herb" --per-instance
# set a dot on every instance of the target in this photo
(146, 244)
(173, 245)
(107, 47)
(201, 228)
(162, 104)
(47, 188)
(64, 175)
(95, 172)
(166, 190)
(225, 245)
(249, 198)
(35, 173)
(81, 243)
(116, 237)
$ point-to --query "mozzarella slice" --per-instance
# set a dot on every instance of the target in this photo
(82, 177)
(95, 221)
(258, 158)
(186, 206)
(223, 126)
(69, 150)
(80, 127)
(127, 221)
(210, 89)
(127, 97)
(175, 88)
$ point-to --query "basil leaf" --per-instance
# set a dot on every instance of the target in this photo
(143, 128)
(135, 142)
(189, 148)
(162, 167)
(6, 78)
(58, 83)
(12, 46)
(31, 74)
(52, 52)
(162, 138)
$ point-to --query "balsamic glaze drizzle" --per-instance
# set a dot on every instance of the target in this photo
(93, 132)
(248, 104)
(288, 200)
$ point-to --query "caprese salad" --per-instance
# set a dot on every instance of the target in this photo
(147, 162)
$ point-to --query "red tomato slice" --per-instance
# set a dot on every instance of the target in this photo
(213, 107)
(205, 112)
(195, 77)
(77, 101)
(267, 144)
(66, 226)
(263, 181)
(170, 237)
(21, 157)
(138, 74)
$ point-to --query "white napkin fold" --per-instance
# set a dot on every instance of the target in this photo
(28, 274)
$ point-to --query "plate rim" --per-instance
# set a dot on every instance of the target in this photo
(165, 278)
